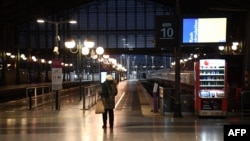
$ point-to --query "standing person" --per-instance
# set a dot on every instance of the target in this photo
(108, 93)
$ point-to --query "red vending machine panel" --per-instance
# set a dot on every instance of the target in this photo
(211, 87)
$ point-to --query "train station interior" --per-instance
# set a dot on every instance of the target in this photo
(181, 68)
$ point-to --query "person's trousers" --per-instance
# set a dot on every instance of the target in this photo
(109, 113)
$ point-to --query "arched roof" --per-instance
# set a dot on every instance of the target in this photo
(19, 11)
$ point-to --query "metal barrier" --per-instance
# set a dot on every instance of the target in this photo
(38, 96)
(166, 100)
(90, 95)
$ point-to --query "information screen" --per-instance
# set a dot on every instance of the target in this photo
(204, 30)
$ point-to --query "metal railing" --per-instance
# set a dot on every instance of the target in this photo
(91, 95)
(38, 96)
(41, 95)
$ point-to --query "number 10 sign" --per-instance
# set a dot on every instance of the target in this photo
(166, 32)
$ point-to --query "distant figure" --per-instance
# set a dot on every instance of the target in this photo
(108, 92)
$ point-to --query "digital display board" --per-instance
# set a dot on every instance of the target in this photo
(204, 30)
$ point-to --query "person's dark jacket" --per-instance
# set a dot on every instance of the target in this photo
(108, 93)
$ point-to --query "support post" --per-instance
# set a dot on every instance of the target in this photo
(57, 100)
(177, 106)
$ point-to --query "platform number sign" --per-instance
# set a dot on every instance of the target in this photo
(166, 32)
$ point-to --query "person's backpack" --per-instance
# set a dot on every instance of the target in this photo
(112, 90)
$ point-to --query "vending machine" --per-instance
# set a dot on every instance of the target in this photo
(211, 96)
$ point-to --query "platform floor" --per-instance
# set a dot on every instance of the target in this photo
(134, 121)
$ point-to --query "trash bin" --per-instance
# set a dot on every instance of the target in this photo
(187, 103)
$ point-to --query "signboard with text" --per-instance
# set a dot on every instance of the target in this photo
(166, 32)
(57, 74)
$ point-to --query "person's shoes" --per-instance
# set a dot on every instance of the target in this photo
(104, 126)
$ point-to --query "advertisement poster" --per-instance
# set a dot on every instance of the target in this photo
(56, 74)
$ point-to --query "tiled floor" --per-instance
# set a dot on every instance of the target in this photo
(134, 121)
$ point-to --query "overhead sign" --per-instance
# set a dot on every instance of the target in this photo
(166, 32)
(57, 78)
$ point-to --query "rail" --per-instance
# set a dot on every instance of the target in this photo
(42, 95)
(91, 95)
(38, 96)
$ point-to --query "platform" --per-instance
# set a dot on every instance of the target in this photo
(134, 121)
